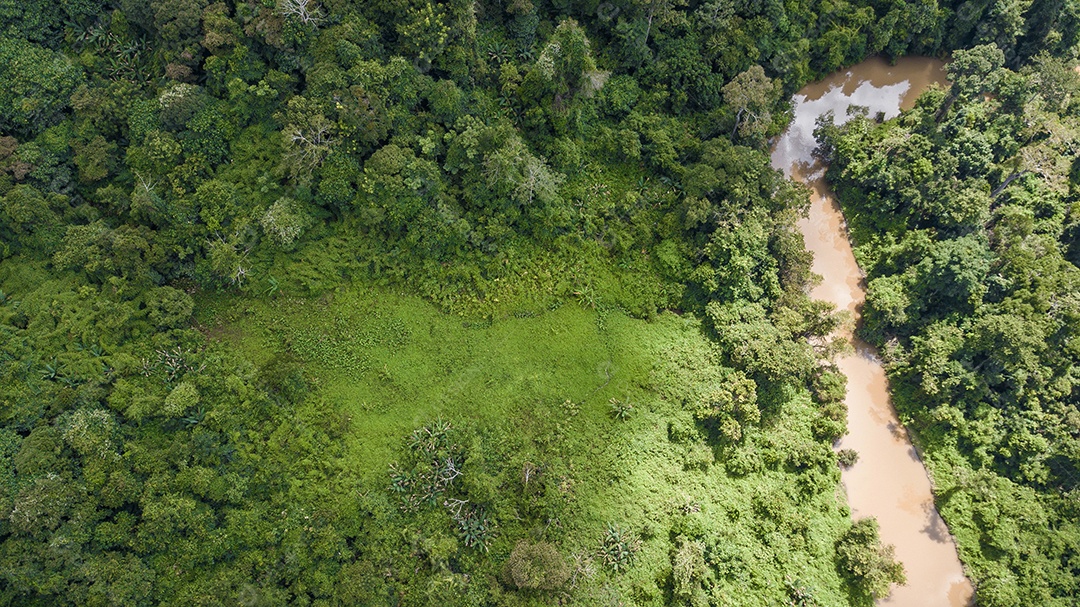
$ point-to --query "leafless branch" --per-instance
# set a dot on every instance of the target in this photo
(307, 12)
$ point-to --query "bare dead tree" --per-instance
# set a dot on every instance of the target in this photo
(307, 12)
(528, 472)
(455, 506)
(448, 473)
(309, 143)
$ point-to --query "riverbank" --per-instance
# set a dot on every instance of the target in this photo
(889, 482)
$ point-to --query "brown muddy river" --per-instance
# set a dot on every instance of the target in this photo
(889, 481)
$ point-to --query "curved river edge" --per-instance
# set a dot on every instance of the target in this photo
(889, 481)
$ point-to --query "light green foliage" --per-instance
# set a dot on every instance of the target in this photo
(285, 221)
(248, 249)
(527, 401)
(94, 159)
(536, 567)
(308, 136)
(182, 398)
(755, 343)
(687, 568)
(729, 405)
(101, 252)
(750, 95)
(424, 32)
(524, 179)
(564, 68)
(90, 434)
(219, 204)
(618, 547)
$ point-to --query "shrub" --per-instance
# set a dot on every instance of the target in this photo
(168, 308)
(182, 398)
(687, 567)
(618, 547)
(847, 457)
(800, 594)
(535, 567)
(620, 409)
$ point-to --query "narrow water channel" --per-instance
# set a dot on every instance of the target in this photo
(889, 481)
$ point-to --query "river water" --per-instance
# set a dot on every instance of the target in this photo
(889, 481)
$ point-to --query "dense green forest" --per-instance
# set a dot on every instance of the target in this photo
(405, 302)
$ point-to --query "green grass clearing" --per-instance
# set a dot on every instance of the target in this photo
(537, 390)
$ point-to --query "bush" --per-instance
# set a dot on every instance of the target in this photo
(169, 308)
(687, 568)
(620, 409)
(618, 547)
(535, 567)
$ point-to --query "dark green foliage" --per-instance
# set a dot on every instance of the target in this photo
(847, 457)
(872, 567)
(801, 594)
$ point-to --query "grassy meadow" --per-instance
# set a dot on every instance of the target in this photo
(593, 404)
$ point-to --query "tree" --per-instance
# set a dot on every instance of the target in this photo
(750, 95)
(423, 33)
(976, 70)
(27, 219)
(952, 274)
(517, 175)
(308, 137)
(754, 343)
(285, 221)
(729, 406)
(887, 304)
(94, 159)
(871, 567)
(307, 12)
(661, 11)
(565, 68)
(179, 25)
(93, 434)
(168, 308)
(38, 84)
